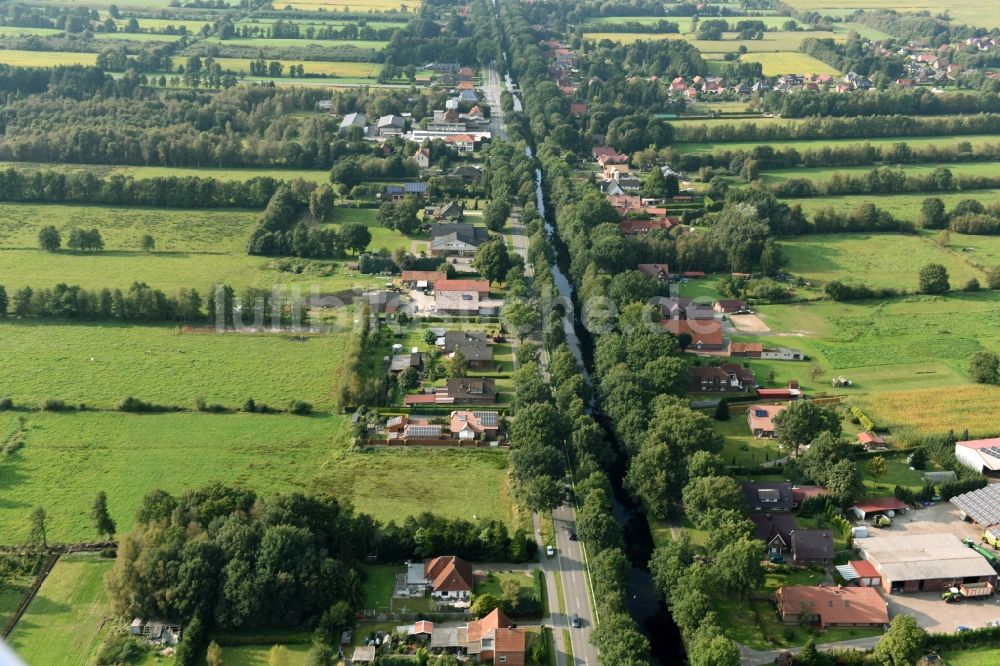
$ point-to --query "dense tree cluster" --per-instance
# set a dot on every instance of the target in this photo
(897, 101)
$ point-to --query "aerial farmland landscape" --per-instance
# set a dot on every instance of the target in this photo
(521, 332)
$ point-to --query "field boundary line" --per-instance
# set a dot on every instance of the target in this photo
(30, 596)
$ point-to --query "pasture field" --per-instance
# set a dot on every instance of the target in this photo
(137, 36)
(61, 626)
(782, 40)
(817, 144)
(99, 364)
(788, 62)
(683, 22)
(263, 42)
(67, 458)
(376, 24)
(935, 411)
(982, 656)
(311, 67)
(881, 260)
(104, 170)
(41, 32)
(160, 24)
(907, 207)
(975, 12)
(371, 6)
(824, 173)
(981, 250)
(904, 343)
(16, 58)
(194, 249)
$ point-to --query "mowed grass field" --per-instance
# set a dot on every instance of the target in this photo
(824, 173)
(373, 6)
(99, 364)
(376, 24)
(683, 22)
(67, 458)
(782, 40)
(16, 58)
(194, 248)
(788, 62)
(903, 206)
(61, 626)
(296, 654)
(311, 67)
(299, 43)
(103, 170)
(818, 144)
(881, 260)
(906, 343)
(975, 12)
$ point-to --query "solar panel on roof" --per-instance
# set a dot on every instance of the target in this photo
(982, 506)
(488, 419)
(992, 451)
(424, 431)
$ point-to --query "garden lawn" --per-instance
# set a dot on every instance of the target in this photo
(788, 62)
(63, 621)
(296, 654)
(972, 656)
(741, 448)
(898, 473)
(380, 581)
(99, 364)
(878, 260)
(382, 237)
(68, 458)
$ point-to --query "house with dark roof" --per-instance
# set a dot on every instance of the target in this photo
(473, 346)
(457, 239)
(729, 306)
(659, 272)
(768, 496)
(774, 529)
(353, 120)
(472, 390)
(449, 211)
(681, 307)
(467, 173)
(726, 378)
(812, 547)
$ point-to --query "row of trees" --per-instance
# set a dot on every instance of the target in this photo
(283, 231)
(883, 180)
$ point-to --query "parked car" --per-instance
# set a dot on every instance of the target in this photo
(572, 535)
(550, 551)
(575, 621)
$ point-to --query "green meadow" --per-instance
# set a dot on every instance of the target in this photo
(818, 144)
(194, 248)
(62, 625)
(825, 173)
(102, 170)
(264, 42)
(99, 364)
(68, 457)
(903, 206)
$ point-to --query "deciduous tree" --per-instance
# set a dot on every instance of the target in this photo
(104, 525)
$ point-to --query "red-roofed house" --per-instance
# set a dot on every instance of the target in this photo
(463, 143)
(729, 306)
(678, 84)
(482, 287)
(870, 441)
(633, 227)
(578, 109)
(415, 278)
(706, 334)
(760, 418)
(832, 606)
(449, 578)
(659, 272)
(609, 155)
(862, 573)
(746, 349)
(422, 157)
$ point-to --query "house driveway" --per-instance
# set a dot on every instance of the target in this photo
(751, 657)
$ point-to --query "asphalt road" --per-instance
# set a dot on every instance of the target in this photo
(492, 85)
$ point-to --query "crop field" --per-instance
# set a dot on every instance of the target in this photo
(788, 62)
(935, 411)
(137, 36)
(883, 260)
(311, 67)
(376, 24)
(160, 24)
(975, 140)
(103, 170)
(69, 457)
(824, 173)
(299, 43)
(62, 623)
(15, 30)
(99, 364)
(212, 251)
(16, 58)
(630, 37)
(906, 207)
